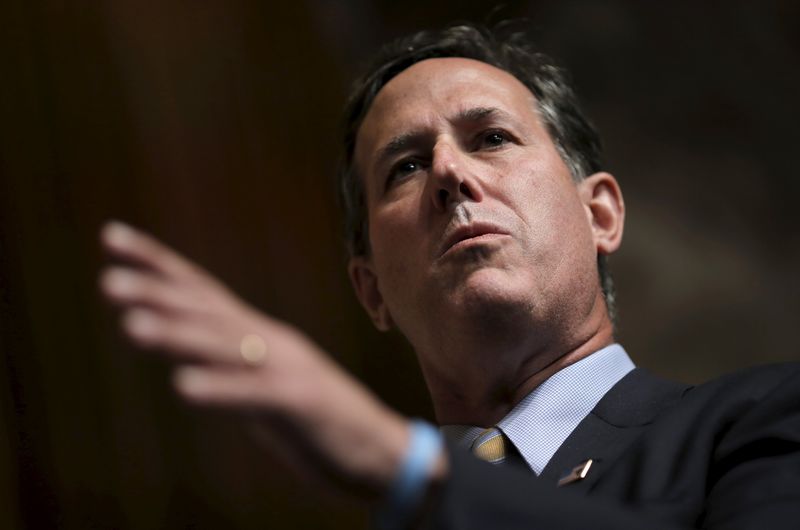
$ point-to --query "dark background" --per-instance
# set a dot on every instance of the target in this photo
(214, 124)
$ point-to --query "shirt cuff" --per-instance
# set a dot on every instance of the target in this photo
(409, 486)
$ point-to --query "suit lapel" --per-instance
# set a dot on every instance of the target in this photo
(613, 425)
(593, 439)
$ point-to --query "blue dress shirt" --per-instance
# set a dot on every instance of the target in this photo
(539, 424)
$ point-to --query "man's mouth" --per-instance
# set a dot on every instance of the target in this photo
(462, 236)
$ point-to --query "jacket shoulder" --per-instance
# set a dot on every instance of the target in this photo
(752, 384)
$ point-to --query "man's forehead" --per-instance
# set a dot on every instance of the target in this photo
(460, 82)
(435, 89)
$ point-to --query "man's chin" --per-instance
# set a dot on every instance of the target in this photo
(489, 289)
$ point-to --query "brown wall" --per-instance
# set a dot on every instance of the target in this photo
(214, 125)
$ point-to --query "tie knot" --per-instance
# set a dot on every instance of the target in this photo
(490, 445)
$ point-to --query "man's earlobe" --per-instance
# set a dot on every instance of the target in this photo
(605, 207)
(365, 284)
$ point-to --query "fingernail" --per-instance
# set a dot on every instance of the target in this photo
(118, 282)
(117, 232)
(190, 380)
(141, 323)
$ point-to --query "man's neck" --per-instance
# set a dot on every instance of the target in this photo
(481, 383)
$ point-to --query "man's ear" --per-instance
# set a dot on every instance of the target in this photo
(605, 208)
(365, 284)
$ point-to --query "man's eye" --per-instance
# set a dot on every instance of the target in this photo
(406, 167)
(409, 166)
(494, 139)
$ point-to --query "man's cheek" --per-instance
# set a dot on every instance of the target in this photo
(398, 273)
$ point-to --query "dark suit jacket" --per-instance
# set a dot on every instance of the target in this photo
(725, 454)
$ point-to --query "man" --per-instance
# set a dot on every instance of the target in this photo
(479, 222)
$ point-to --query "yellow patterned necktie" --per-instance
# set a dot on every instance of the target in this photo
(490, 445)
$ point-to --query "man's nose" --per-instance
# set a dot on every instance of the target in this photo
(452, 177)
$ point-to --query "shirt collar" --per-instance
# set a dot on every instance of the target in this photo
(542, 420)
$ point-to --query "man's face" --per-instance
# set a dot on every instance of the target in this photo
(470, 207)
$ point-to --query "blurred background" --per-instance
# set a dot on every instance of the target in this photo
(214, 125)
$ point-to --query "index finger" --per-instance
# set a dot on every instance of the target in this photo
(126, 242)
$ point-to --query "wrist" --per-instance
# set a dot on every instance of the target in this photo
(423, 466)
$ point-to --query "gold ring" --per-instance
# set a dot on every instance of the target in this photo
(253, 350)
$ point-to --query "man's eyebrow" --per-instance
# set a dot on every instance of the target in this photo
(479, 113)
(396, 145)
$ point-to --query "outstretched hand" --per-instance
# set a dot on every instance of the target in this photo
(225, 354)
